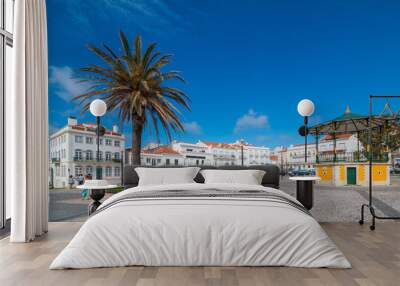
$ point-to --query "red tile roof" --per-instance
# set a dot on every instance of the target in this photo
(273, 158)
(90, 123)
(161, 150)
(224, 145)
(329, 137)
(217, 144)
(90, 126)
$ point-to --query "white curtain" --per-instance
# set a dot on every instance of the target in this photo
(27, 124)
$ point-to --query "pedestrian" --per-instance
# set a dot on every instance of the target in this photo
(81, 179)
(70, 181)
(85, 192)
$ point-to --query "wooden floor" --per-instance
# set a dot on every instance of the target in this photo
(375, 257)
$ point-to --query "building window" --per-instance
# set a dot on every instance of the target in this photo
(89, 170)
(101, 141)
(108, 171)
(89, 155)
(108, 142)
(116, 143)
(148, 160)
(167, 162)
(108, 156)
(78, 170)
(78, 139)
(78, 155)
(158, 161)
(100, 155)
(117, 171)
(117, 156)
(176, 162)
(63, 154)
(89, 140)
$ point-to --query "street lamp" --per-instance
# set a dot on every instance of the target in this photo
(98, 108)
(305, 108)
(241, 150)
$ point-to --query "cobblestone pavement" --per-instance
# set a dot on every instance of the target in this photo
(68, 205)
(331, 204)
(343, 204)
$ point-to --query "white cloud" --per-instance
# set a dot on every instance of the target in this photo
(66, 86)
(192, 127)
(150, 15)
(251, 120)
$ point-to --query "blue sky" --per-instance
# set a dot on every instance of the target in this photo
(247, 63)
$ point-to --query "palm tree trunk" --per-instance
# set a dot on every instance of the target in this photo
(137, 129)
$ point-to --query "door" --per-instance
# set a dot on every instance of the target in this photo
(351, 176)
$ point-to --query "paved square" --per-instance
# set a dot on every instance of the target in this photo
(331, 204)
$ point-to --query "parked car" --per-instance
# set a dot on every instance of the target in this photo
(394, 170)
(302, 172)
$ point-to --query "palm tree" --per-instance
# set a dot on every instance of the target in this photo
(133, 83)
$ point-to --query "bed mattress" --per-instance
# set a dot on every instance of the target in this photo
(201, 225)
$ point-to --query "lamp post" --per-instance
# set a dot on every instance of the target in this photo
(304, 185)
(305, 108)
(241, 150)
(98, 108)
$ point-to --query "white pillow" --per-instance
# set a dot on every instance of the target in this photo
(248, 177)
(166, 176)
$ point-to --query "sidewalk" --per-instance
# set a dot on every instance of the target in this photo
(331, 204)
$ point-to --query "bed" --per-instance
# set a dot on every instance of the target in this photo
(201, 224)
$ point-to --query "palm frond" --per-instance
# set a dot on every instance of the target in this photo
(133, 83)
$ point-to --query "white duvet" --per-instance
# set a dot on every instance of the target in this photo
(193, 231)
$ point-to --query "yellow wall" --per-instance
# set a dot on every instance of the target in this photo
(379, 173)
(360, 174)
(342, 173)
(325, 173)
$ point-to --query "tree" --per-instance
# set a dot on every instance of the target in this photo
(134, 84)
(383, 139)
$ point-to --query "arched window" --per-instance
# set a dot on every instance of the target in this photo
(89, 155)
(108, 156)
(78, 155)
(100, 155)
(89, 170)
(78, 170)
(108, 171)
(117, 171)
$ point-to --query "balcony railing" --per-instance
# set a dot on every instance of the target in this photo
(85, 159)
(352, 157)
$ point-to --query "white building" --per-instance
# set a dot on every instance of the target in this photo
(231, 153)
(202, 153)
(157, 155)
(73, 151)
(346, 145)
(279, 156)
(194, 154)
